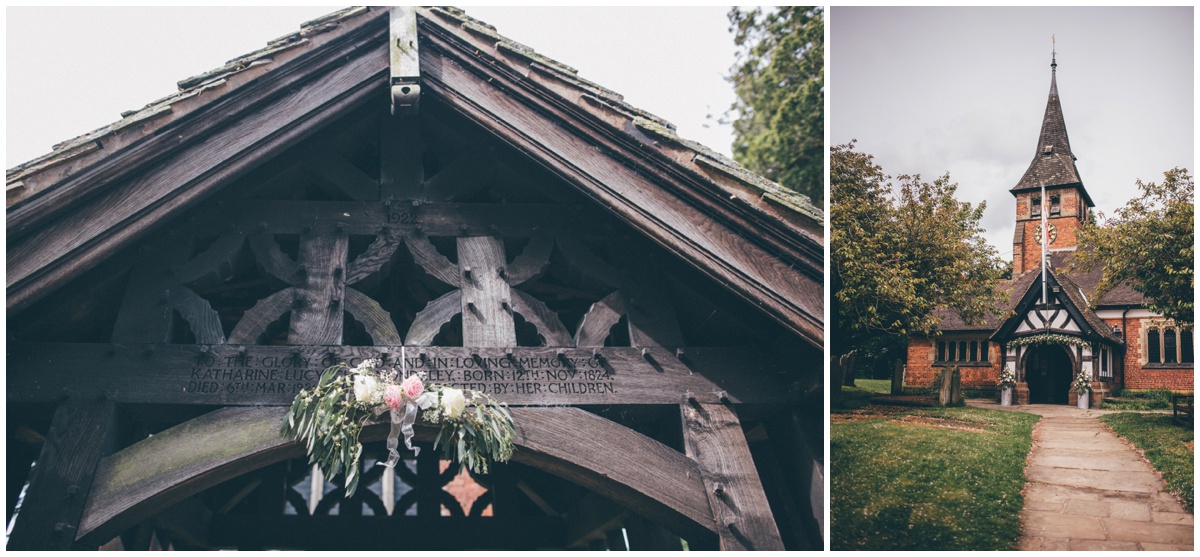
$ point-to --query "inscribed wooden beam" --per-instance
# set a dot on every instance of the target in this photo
(742, 516)
(387, 533)
(232, 374)
(162, 470)
(82, 432)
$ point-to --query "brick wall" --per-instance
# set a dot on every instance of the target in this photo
(1138, 377)
(921, 370)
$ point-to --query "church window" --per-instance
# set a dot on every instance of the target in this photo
(964, 351)
(1055, 207)
(1168, 346)
(1153, 354)
(1035, 207)
(1185, 346)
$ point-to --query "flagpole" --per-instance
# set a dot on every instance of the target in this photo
(1045, 237)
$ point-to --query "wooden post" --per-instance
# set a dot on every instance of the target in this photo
(82, 432)
(713, 438)
(486, 300)
(318, 306)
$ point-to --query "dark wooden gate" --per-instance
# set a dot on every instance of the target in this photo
(653, 401)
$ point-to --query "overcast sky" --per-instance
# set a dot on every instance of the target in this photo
(963, 90)
(72, 70)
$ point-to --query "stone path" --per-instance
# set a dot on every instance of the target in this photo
(1087, 489)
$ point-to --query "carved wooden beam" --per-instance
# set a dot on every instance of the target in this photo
(155, 473)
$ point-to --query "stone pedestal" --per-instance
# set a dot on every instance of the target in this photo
(1022, 394)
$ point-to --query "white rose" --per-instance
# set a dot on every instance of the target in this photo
(453, 402)
(366, 388)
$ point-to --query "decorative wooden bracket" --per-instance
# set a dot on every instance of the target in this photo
(405, 65)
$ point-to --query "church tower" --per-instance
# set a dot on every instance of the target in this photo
(1067, 202)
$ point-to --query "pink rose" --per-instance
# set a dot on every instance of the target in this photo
(394, 396)
(412, 387)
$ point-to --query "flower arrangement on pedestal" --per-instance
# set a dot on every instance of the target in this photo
(330, 417)
(1082, 383)
(1008, 379)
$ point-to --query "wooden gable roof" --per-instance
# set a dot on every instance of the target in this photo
(98, 194)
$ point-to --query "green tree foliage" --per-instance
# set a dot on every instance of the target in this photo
(779, 77)
(1150, 244)
(898, 252)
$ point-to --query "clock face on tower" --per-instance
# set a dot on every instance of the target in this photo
(1052, 233)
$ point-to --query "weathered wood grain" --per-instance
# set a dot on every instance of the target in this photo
(256, 319)
(486, 301)
(713, 438)
(82, 432)
(596, 324)
(468, 173)
(159, 471)
(429, 321)
(213, 264)
(145, 315)
(587, 262)
(652, 319)
(346, 177)
(532, 261)
(376, 320)
(317, 310)
(199, 314)
(377, 255)
(547, 322)
(564, 141)
(230, 374)
(181, 166)
(272, 259)
(401, 172)
(434, 263)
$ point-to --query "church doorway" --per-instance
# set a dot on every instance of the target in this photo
(1048, 373)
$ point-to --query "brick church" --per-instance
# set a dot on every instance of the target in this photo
(1048, 335)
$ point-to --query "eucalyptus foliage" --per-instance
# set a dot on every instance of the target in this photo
(475, 429)
(1048, 338)
(1149, 244)
(900, 250)
(779, 78)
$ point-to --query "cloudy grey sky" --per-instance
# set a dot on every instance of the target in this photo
(72, 70)
(963, 90)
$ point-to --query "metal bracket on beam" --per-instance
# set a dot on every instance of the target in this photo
(405, 62)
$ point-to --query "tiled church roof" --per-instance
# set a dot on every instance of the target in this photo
(1053, 162)
(71, 156)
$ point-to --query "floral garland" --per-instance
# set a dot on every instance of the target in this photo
(1008, 379)
(330, 417)
(1048, 338)
(1082, 383)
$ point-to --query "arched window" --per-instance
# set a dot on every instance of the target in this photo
(953, 352)
(1169, 346)
(1185, 346)
(962, 350)
(974, 351)
(941, 353)
(1153, 354)
(983, 351)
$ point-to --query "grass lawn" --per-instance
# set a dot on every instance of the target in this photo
(874, 385)
(1139, 400)
(1165, 447)
(903, 485)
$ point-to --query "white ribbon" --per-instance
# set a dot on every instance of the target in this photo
(403, 419)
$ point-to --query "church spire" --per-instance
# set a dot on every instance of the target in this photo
(1053, 162)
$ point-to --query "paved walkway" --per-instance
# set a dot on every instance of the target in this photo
(1073, 454)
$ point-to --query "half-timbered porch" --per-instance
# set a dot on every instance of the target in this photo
(651, 311)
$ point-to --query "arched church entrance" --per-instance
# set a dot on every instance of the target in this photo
(1048, 373)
